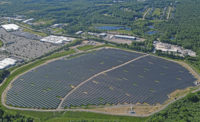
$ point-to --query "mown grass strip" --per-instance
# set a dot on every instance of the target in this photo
(90, 47)
(94, 117)
(86, 47)
(35, 32)
(1, 43)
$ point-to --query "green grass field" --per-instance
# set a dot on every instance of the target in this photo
(1, 43)
(157, 12)
(92, 117)
(35, 32)
(86, 47)
(79, 117)
(90, 47)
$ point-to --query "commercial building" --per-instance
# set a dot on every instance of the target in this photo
(57, 25)
(56, 39)
(124, 37)
(7, 62)
(79, 32)
(92, 34)
(165, 47)
(10, 27)
(28, 20)
(102, 35)
(189, 52)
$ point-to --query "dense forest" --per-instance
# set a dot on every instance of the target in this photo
(7, 117)
(184, 110)
(184, 28)
(80, 14)
(3, 74)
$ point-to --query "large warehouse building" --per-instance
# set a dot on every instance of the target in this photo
(56, 39)
(124, 37)
(7, 62)
(10, 27)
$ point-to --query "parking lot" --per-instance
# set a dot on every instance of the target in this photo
(24, 48)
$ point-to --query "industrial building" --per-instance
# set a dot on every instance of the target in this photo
(57, 25)
(189, 53)
(10, 27)
(165, 47)
(92, 34)
(124, 37)
(79, 32)
(7, 62)
(102, 35)
(28, 20)
(56, 39)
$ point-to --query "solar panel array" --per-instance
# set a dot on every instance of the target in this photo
(148, 80)
(45, 86)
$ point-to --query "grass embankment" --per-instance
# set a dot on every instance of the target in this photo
(1, 43)
(35, 32)
(90, 47)
(86, 47)
(193, 66)
(79, 117)
(93, 117)
(58, 30)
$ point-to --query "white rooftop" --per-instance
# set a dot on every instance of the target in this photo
(28, 20)
(7, 62)
(79, 32)
(56, 39)
(124, 36)
(10, 27)
(165, 47)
